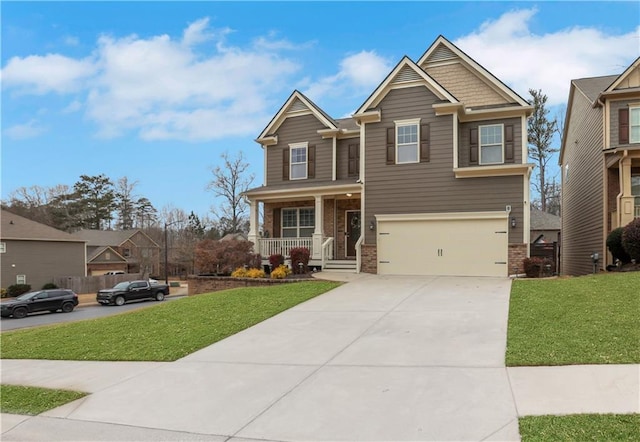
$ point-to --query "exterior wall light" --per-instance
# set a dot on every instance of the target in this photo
(513, 222)
(372, 226)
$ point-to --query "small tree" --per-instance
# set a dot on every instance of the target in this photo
(223, 257)
(614, 244)
(631, 239)
(300, 255)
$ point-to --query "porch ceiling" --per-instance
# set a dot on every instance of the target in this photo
(280, 193)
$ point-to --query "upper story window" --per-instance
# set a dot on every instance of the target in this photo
(126, 253)
(491, 144)
(634, 124)
(3, 247)
(407, 136)
(298, 162)
(298, 223)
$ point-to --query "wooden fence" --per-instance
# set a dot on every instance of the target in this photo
(91, 284)
(549, 251)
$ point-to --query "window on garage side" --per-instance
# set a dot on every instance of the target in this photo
(21, 279)
(298, 223)
(3, 247)
(491, 144)
(407, 136)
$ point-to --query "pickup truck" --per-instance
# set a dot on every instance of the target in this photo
(132, 290)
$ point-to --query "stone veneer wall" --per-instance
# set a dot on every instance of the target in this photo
(517, 254)
(369, 257)
(207, 284)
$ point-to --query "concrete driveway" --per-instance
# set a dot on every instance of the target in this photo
(378, 359)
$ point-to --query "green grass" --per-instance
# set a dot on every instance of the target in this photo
(580, 428)
(584, 320)
(165, 332)
(16, 399)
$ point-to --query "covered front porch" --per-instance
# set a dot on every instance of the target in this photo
(324, 220)
(623, 187)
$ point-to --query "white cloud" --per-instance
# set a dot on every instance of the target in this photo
(359, 74)
(30, 129)
(508, 49)
(37, 74)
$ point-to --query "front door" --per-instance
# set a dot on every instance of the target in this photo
(352, 232)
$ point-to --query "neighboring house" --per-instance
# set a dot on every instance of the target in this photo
(427, 177)
(600, 160)
(545, 227)
(130, 251)
(33, 253)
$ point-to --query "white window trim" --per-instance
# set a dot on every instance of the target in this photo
(298, 226)
(633, 140)
(304, 146)
(3, 247)
(21, 279)
(403, 123)
(501, 144)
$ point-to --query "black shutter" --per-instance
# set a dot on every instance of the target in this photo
(285, 164)
(391, 145)
(623, 126)
(424, 143)
(311, 162)
(276, 223)
(473, 146)
(508, 144)
(354, 159)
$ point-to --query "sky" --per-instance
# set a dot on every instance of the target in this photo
(157, 91)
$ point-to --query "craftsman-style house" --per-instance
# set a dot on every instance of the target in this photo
(600, 160)
(428, 176)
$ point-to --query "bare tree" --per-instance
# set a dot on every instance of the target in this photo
(229, 181)
(125, 204)
(540, 131)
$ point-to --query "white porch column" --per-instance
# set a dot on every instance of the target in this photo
(317, 233)
(253, 226)
(626, 199)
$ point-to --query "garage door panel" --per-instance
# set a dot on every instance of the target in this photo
(455, 247)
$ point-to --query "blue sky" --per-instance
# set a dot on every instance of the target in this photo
(157, 91)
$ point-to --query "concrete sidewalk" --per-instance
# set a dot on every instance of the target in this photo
(380, 358)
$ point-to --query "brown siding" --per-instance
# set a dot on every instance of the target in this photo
(464, 141)
(41, 261)
(429, 187)
(582, 205)
(299, 130)
(342, 165)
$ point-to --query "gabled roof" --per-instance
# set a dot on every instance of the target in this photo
(111, 238)
(442, 47)
(297, 104)
(593, 87)
(544, 221)
(19, 228)
(632, 67)
(405, 73)
(98, 251)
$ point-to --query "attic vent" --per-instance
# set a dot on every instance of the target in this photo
(442, 53)
(406, 74)
(297, 106)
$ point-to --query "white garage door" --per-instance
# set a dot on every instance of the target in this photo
(456, 244)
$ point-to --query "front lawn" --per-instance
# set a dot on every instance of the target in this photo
(165, 332)
(17, 399)
(591, 319)
(580, 428)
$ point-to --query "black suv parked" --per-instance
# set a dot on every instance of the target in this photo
(40, 301)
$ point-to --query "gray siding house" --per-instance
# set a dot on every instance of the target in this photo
(600, 160)
(427, 177)
(33, 253)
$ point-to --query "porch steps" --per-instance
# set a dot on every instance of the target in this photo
(340, 265)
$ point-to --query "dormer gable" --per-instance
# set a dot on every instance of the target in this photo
(405, 74)
(296, 105)
(463, 77)
(627, 84)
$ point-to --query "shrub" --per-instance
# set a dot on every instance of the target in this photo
(276, 260)
(222, 257)
(18, 289)
(631, 239)
(240, 272)
(49, 285)
(3, 293)
(300, 255)
(533, 266)
(280, 272)
(255, 261)
(255, 273)
(614, 244)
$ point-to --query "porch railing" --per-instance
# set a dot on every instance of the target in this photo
(327, 250)
(282, 246)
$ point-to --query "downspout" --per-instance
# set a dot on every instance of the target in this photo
(334, 161)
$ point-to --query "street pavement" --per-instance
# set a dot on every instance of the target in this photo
(377, 359)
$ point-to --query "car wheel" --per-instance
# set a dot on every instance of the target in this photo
(160, 296)
(119, 300)
(20, 312)
(67, 307)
